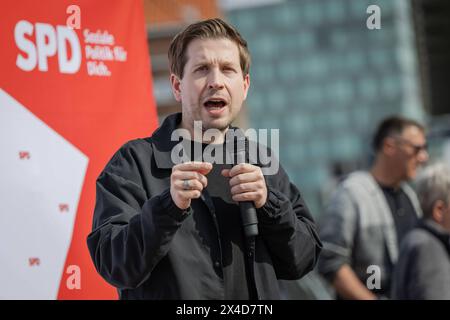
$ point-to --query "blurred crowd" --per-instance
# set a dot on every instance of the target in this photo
(386, 230)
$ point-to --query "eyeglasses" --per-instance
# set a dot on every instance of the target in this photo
(416, 148)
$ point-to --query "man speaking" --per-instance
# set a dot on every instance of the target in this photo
(166, 230)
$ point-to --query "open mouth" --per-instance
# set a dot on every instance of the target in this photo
(214, 104)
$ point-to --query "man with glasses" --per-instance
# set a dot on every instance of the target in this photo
(370, 212)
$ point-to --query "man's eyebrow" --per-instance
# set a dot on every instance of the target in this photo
(208, 63)
(228, 64)
(202, 63)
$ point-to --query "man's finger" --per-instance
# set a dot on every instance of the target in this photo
(190, 194)
(244, 187)
(248, 196)
(203, 167)
(190, 175)
(242, 168)
(191, 184)
(243, 178)
(226, 173)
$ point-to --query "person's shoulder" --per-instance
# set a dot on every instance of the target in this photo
(421, 241)
(359, 176)
(357, 181)
(417, 237)
(131, 151)
(137, 144)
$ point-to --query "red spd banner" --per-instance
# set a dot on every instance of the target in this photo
(74, 86)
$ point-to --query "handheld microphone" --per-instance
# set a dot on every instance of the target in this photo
(248, 210)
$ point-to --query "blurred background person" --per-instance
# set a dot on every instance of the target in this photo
(370, 212)
(423, 268)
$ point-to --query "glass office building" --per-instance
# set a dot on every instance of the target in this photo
(325, 79)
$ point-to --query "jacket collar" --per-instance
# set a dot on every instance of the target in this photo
(162, 142)
(390, 233)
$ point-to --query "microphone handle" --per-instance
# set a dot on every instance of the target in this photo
(249, 218)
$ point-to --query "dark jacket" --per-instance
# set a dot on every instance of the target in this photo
(423, 268)
(145, 246)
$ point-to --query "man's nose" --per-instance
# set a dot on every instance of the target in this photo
(215, 80)
(423, 156)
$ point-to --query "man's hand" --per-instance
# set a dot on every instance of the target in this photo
(247, 183)
(187, 182)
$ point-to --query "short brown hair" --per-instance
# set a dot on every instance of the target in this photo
(392, 126)
(212, 29)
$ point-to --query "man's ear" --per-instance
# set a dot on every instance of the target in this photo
(388, 146)
(246, 85)
(176, 84)
(438, 211)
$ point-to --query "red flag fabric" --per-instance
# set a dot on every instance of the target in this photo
(75, 84)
